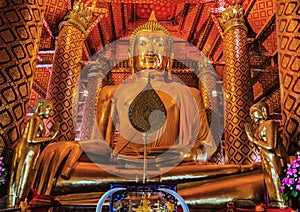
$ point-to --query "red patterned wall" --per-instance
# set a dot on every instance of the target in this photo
(162, 10)
(41, 76)
(271, 43)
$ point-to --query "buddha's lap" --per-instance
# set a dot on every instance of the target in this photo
(98, 177)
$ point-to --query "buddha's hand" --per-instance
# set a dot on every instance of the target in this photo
(54, 130)
(58, 156)
(249, 131)
(198, 154)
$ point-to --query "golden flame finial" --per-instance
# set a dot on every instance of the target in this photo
(152, 16)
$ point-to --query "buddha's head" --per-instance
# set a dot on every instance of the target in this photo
(150, 47)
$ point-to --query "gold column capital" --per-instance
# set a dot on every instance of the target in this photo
(80, 17)
(233, 17)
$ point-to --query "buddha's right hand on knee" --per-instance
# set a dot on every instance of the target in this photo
(57, 159)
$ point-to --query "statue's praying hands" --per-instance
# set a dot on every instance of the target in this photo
(249, 131)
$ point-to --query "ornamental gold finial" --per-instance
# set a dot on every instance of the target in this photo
(233, 16)
(152, 16)
(80, 16)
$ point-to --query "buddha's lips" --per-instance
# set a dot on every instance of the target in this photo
(151, 58)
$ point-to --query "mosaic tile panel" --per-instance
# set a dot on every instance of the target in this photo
(42, 76)
(46, 40)
(55, 11)
(271, 43)
(63, 79)
(162, 10)
(260, 14)
(18, 49)
(273, 101)
(33, 97)
(288, 32)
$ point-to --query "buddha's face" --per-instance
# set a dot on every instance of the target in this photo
(150, 50)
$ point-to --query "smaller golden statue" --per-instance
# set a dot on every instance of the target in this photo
(27, 150)
(272, 152)
(145, 205)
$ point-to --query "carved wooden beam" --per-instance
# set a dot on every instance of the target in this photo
(215, 46)
(203, 39)
(101, 34)
(195, 23)
(113, 28)
(185, 12)
(267, 29)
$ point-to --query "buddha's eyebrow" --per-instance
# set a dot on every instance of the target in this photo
(142, 38)
(160, 38)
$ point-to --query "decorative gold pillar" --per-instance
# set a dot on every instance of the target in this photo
(237, 87)
(66, 68)
(20, 30)
(95, 76)
(288, 37)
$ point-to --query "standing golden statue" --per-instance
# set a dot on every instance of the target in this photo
(272, 152)
(27, 151)
(145, 205)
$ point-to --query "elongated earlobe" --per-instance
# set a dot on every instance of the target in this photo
(130, 62)
(169, 66)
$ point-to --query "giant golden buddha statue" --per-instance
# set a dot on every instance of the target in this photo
(178, 151)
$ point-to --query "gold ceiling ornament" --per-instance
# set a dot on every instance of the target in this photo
(233, 16)
(96, 11)
(150, 26)
(147, 112)
(80, 16)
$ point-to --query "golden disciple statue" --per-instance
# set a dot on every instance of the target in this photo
(272, 152)
(27, 150)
